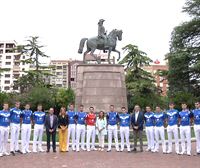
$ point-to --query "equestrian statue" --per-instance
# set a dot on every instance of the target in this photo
(102, 42)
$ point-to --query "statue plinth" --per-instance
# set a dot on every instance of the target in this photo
(100, 86)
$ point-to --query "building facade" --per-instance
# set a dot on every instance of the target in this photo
(12, 61)
(160, 82)
(60, 72)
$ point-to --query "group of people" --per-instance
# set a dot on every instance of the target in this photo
(75, 125)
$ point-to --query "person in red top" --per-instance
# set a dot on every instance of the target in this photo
(90, 121)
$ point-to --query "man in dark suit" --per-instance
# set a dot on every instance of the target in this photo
(137, 121)
(51, 124)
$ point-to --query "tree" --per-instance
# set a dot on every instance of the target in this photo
(64, 97)
(184, 56)
(37, 76)
(139, 83)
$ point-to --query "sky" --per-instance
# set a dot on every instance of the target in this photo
(61, 24)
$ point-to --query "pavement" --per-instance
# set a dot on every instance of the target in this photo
(96, 159)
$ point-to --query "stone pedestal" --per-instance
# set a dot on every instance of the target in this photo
(100, 86)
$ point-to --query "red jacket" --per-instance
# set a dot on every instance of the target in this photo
(91, 119)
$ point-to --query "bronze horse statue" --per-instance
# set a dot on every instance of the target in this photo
(107, 44)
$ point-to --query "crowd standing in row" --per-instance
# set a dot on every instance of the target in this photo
(75, 125)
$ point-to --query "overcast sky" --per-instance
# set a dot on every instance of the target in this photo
(61, 24)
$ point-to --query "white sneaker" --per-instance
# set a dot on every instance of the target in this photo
(83, 149)
(41, 150)
(34, 151)
(1, 154)
(102, 149)
(28, 151)
(121, 150)
(168, 152)
(94, 149)
(6, 153)
(148, 149)
(188, 153)
(117, 150)
(88, 150)
(77, 150)
(23, 152)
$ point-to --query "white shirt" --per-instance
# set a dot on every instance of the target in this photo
(136, 116)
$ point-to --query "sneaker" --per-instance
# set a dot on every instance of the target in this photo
(121, 150)
(94, 149)
(6, 153)
(18, 151)
(102, 149)
(188, 153)
(28, 151)
(83, 149)
(148, 149)
(168, 152)
(88, 150)
(77, 150)
(109, 150)
(1, 154)
(12, 152)
(41, 150)
(34, 151)
(154, 151)
(117, 150)
(180, 153)
(23, 152)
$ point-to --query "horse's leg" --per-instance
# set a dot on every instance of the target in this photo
(84, 55)
(92, 54)
(118, 54)
(109, 51)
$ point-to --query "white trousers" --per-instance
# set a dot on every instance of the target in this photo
(71, 133)
(197, 135)
(112, 129)
(4, 133)
(173, 130)
(80, 133)
(37, 136)
(160, 134)
(90, 133)
(25, 136)
(150, 137)
(14, 135)
(124, 132)
(101, 138)
(185, 134)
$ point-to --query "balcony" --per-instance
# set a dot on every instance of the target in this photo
(16, 68)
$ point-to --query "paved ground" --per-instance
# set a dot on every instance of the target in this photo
(97, 159)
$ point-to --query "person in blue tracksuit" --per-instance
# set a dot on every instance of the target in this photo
(196, 118)
(26, 128)
(149, 123)
(39, 121)
(15, 119)
(4, 129)
(112, 121)
(72, 127)
(124, 121)
(172, 128)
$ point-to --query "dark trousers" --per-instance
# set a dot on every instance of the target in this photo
(49, 136)
(138, 134)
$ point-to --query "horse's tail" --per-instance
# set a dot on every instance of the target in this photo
(81, 45)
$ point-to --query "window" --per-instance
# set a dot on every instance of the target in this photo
(16, 76)
(6, 88)
(7, 75)
(58, 73)
(23, 63)
(15, 88)
(23, 69)
(1, 51)
(72, 79)
(59, 67)
(17, 63)
(8, 57)
(1, 45)
(23, 57)
(8, 63)
(7, 82)
(59, 85)
(64, 66)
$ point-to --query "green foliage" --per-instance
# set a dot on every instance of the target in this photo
(184, 56)
(139, 83)
(64, 97)
(180, 97)
(34, 77)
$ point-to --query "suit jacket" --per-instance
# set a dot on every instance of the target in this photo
(48, 124)
(139, 122)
